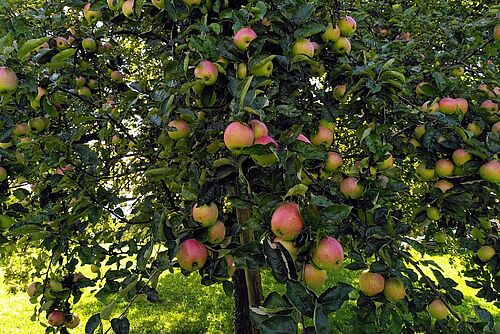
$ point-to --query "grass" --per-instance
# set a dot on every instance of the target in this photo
(187, 307)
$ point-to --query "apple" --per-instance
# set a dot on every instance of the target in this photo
(192, 255)
(243, 37)
(8, 81)
(289, 246)
(342, 45)
(259, 128)
(31, 289)
(92, 83)
(206, 215)
(181, 129)
(394, 290)
(128, 9)
(429, 109)
(238, 136)
(440, 237)
(425, 173)
(89, 45)
(350, 187)
(448, 105)
(3, 174)
(116, 76)
(486, 91)
(486, 253)
(317, 49)
(241, 71)
(457, 71)
(85, 92)
(216, 232)
(207, 72)
(21, 129)
(56, 318)
(160, 4)
(303, 46)
(371, 284)
(339, 92)
(490, 171)
(73, 323)
(328, 254)
(264, 70)
(80, 81)
(331, 34)
(387, 163)
(303, 138)
(443, 185)
(496, 32)
(192, 3)
(61, 43)
(463, 105)
(286, 222)
(231, 267)
(6, 222)
(333, 161)
(490, 106)
(495, 128)
(347, 26)
(460, 157)
(77, 277)
(314, 278)
(38, 124)
(474, 128)
(419, 131)
(444, 168)
(265, 160)
(324, 136)
(94, 268)
(327, 124)
(433, 213)
(438, 309)
(317, 70)
(92, 16)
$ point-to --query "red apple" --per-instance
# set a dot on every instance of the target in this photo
(490, 106)
(31, 289)
(205, 215)
(259, 128)
(324, 136)
(460, 157)
(448, 105)
(490, 171)
(8, 81)
(56, 318)
(303, 138)
(331, 34)
(238, 136)
(231, 267)
(314, 278)
(286, 222)
(495, 128)
(371, 284)
(243, 38)
(347, 26)
(192, 255)
(303, 46)
(207, 72)
(349, 187)
(443, 185)
(116, 76)
(181, 129)
(444, 167)
(333, 161)
(328, 254)
(463, 105)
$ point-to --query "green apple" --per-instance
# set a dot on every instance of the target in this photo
(342, 46)
(89, 45)
(331, 34)
(8, 81)
(264, 70)
(486, 253)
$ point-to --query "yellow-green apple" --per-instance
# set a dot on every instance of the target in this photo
(61, 43)
(73, 323)
(303, 46)
(444, 167)
(448, 105)
(333, 161)
(490, 106)
(259, 128)
(440, 237)
(350, 187)
(430, 108)
(324, 136)
(339, 91)
(457, 71)
(207, 72)
(158, 3)
(303, 138)
(394, 290)
(490, 171)
(116, 76)
(495, 128)
(8, 81)
(371, 284)
(342, 45)
(237, 136)
(289, 246)
(56, 318)
(314, 278)
(463, 105)
(265, 160)
(328, 254)
(92, 16)
(181, 129)
(317, 70)
(460, 157)
(241, 71)
(128, 8)
(89, 45)
(419, 131)
(432, 213)
(425, 173)
(192, 255)
(286, 222)
(231, 267)
(92, 83)
(243, 37)
(264, 70)
(474, 128)
(496, 32)
(80, 81)
(205, 215)
(38, 124)
(443, 185)
(216, 232)
(331, 34)
(31, 289)
(347, 26)
(95, 268)
(115, 139)
(486, 253)
(192, 3)
(21, 129)
(6, 222)
(3, 174)
(84, 91)
(438, 309)
(386, 163)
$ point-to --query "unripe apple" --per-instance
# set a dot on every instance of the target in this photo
(486, 253)
(3, 174)
(95, 268)
(387, 163)
(460, 157)
(80, 81)
(192, 255)
(438, 309)
(286, 222)
(339, 92)
(205, 215)
(61, 43)
(350, 187)
(289, 246)
(314, 278)
(192, 3)
(116, 76)
(38, 124)
(342, 45)
(425, 173)
(207, 72)
(430, 108)
(419, 131)
(495, 128)
(457, 71)
(303, 138)
(92, 16)
(448, 105)
(394, 290)
(463, 105)
(324, 136)
(216, 232)
(444, 168)
(474, 128)
(490, 106)
(238, 136)
(490, 171)
(264, 70)
(331, 34)
(56, 318)
(347, 26)
(5, 222)
(265, 160)
(243, 37)
(371, 284)
(231, 267)
(443, 185)
(160, 4)
(496, 32)
(128, 9)
(303, 46)
(333, 161)
(73, 323)
(85, 92)
(241, 71)
(259, 128)
(21, 129)
(317, 70)
(181, 129)
(8, 81)
(31, 289)
(328, 254)
(89, 45)
(440, 237)
(433, 213)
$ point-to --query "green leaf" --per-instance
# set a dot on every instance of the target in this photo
(120, 326)
(309, 29)
(144, 255)
(297, 190)
(300, 298)
(276, 261)
(29, 46)
(321, 323)
(93, 323)
(333, 298)
(336, 212)
(279, 324)
(63, 55)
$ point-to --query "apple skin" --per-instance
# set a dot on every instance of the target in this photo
(61, 43)
(38, 124)
(387, 163)
(339, 92)
(438, 309)
(303, 46)
(85, 92)
(327, 124)
(21, 129)
(419, 131)
(474, 128)
(238, 136)
(265, 160)
(328, 254)
(205, 215)
(243, 37)
(128, 9)
(347, 26)
(286, 222)
(8, 81)
(207, 72)
(292, 250)
(394, 290)
(160, 4)
(31, 289)
(259, 128)
(331, 34)
(463, 105)
(349, 187)
(182, 129)
(92, 16)
(486, 91)
(495, 128)
(444, 168)
(3, 174)
(80, 81)
(231, 267)
(216, 232)
(433, 213)
(75, 321)
(264, 70)
(448, 105)
(342, 46)
(460, 157)
(371, 284)
(192, 3)
(425, 173)
(324, 136)
(443, 185)
(241, 71)
(490, 106)
(56, 318)
(496, 32)
(314, 278)
(116, 76)
(486, 253)
(89, 45)
(192, 255)
(490, 171)
(333, 161)
(457, 71)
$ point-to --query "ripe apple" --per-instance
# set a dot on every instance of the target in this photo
(241, 71)
(347, 26)
(331, 34)
(371, 284)
(85, 92)
(205, 215)
(495, 128)
(286, 222)
(486, 253)
(474, 128)
(328, 254)
(333, 161)
(425, 173)
(490, 106)
(394, 290)
(438, 309)
(31, 289)
(444, 167)
(460, 157)
(116, 76)
(433, 213)
(443, 185)
(289, 246)
(3, 174)
(231, 267)
(303, 46)
(160, 4)
(21, 129)
(327, 124)
(486, 91)
(243, 37)
(463, 105)
(92, 16)
(264, 70)
(265, 160)
(496, 32)
(259, 128)
(324, 136)
(387, 163)
(350, 187)
(181, 129)
(238, 136)
(128, 8)
(89, 45)
(192, 3)
(314, 278)
(56, 318)
(73, 323)
(192, 255)
(342, 45)
(448, 105)
(490, 171)
(61, 43)
(8, 81)
(207, 72)
(216, 232)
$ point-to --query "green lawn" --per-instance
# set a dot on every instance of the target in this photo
(188, 307)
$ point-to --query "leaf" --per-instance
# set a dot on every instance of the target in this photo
(279, 324)
(333, 298)
(300, 298)
(144, 255)
(297, 190)
(483, 314)
(276, 261)
(309, 29)
(120, 326)
(93, 323)
(29, 46)
(336, 212)
(321, 323)
(63, 55)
